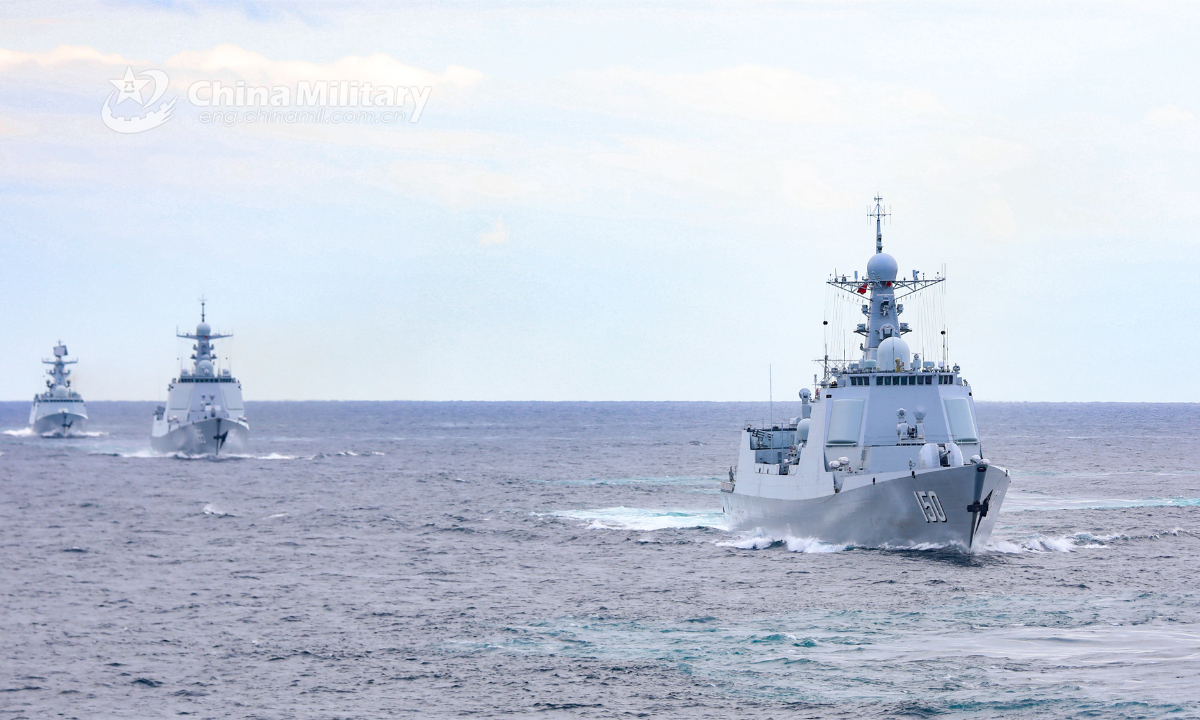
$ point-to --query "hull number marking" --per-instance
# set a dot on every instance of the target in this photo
(931, 507)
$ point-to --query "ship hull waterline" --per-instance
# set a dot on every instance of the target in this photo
(215, 436)
(893, 513)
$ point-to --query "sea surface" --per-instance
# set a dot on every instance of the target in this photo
(569, 560)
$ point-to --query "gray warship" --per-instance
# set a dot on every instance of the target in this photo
(60, 411)
(886, 452)
(204, 414)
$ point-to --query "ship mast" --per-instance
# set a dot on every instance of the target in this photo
(879, 214)
(203, 337)
(59, 372)
(881, 287)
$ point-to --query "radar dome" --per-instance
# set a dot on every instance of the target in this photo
(882, 266)
(891, 350)
(205, 367)
(60, 391)
(204, 329)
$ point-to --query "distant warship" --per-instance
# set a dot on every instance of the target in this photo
(204, 414)
(886, 452)
(58, 412)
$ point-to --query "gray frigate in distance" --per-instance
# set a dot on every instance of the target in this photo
(60, 411)
(204, 414)
(886, 452)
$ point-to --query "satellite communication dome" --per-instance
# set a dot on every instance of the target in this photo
(205, 367)
(204, 329)
(891, 350)
(60, 391)
(882, 266)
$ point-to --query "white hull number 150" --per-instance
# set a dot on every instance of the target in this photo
(931, 507)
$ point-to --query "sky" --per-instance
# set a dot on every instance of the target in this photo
(598, 200)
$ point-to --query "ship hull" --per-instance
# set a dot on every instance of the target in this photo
(216, 436)
(894, 513)
(59, 421)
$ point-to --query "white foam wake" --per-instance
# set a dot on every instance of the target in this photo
(23, 432)
(623, 518)
(758, 541)
(134, 454)
(1041, 544)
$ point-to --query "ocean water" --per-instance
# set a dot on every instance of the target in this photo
(565, 560)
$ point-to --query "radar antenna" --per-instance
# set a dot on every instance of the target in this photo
(879, 214)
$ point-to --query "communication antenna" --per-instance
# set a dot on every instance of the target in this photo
(879, 213)
(771, 393)
(202, 301)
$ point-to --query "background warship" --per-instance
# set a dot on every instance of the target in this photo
(59, 411)
(204, 413)
(886, 451)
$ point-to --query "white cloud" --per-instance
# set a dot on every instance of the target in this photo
(457, 184)
(11, 128)
(1169, 116)
(60, 56)
(252, 67)
(998, 218)
(498, 235)
(748, 92)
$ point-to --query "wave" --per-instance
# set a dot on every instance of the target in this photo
(812, 545)
(28, 432)
(1022, 502)
(793, 544)
(642, 519)
(667, 480)
(134, 454)
(1041, 544)
(623, 518)
(225, 456)
(210, 509)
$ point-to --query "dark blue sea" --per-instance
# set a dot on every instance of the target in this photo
(568, 560)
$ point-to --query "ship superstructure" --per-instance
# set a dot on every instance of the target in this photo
(886, 452)
(60, 411)
(204, 413)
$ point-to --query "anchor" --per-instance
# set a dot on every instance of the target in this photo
(220, 436)
(980, 511)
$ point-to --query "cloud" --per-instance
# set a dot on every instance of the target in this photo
(457, 184)
(998, 218)
(498, 235)
(1169, 116)
(748, 92)
(60, 56)
(379, 69)
(722, 171)
(12, 128)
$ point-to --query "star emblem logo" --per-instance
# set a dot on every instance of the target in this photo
(130, 87)
(149, 113)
